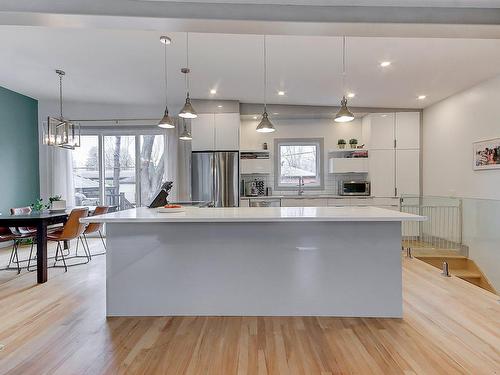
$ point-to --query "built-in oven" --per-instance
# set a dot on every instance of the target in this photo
(356, 188)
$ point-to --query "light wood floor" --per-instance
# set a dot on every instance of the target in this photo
(449, 327)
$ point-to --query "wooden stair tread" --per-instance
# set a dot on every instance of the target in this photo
(439, 256)
(466, 273)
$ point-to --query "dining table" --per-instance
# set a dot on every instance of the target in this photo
(40, 220)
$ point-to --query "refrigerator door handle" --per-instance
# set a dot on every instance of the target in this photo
(215, 174)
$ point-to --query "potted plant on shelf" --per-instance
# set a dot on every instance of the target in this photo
(57, 203)
(353, 142)
(341, 143)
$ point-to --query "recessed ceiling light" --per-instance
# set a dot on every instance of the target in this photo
(385, 64)
(281, 93)
(254, 117)
(351, 95)
(275, 113)
(421, 97)
(384, 115)
(219, 106)
(213, 91)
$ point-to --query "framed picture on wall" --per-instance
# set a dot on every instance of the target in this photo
(486, 154)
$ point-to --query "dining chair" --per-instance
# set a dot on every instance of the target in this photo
(96, 227)
(71, 230)
(6, 236)
(21, 233)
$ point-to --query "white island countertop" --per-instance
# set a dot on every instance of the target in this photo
(255, 214)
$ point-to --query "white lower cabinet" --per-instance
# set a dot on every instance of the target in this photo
(244, 203)
(303, 202)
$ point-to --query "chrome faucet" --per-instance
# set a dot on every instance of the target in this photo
(301, 185)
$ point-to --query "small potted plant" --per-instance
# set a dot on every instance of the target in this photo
(353, 142)
(57, 203)
(39, 205)
(341, 143)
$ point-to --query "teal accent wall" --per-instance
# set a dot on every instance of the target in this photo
(19, 173)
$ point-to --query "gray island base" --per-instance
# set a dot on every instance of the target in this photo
(255, 262)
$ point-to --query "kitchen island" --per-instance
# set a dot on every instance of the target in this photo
(288, 261)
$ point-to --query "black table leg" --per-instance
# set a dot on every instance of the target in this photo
(41, 252)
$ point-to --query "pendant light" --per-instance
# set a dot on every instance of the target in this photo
(186, 134)
(344, 114)
(188, 110)
(60, 132)
(265, 126)
(166, 122)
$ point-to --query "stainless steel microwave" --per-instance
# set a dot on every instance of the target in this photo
(360, 188)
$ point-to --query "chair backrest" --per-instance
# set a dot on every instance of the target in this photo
(21, 211)
(5, 234)
(73, 228)
(94, 227)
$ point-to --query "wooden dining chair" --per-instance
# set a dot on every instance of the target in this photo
(96, 227)
(72, 230)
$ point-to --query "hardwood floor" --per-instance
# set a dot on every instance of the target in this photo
(449, 327)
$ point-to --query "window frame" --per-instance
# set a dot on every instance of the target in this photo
(318, 142)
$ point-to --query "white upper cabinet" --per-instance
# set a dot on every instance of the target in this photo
(408, 172)
(203, 132)
(227, 131)
(216, 131)
(408, 130)
(379, 130)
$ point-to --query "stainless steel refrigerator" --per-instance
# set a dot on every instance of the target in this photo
(215, 177)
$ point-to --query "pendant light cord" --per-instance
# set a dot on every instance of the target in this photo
(187, 64)
(343, 65)
(265, 75)
(165, 68)
(60, 96)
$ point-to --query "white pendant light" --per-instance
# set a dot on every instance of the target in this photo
(265, 126)
(59, 131)
(344, 114)
(188, 110)
(166, 122)
(186, 134)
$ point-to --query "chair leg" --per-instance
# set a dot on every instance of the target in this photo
(88, 248)
(17, 259)
(62, 256)
(12, 254)
(84, 248)
(31, 252)
(102, 239)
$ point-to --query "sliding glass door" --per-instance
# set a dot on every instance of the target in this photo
(120, 169)
(152, 166)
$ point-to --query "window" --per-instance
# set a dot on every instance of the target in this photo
(86, 171)
(295, 158)
(123, 169)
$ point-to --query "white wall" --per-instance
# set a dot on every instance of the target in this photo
(449, 129)
(301, 128)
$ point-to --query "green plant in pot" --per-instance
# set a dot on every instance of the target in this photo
(341, 143)
(57, 203)
(39, 205)
(353, 142)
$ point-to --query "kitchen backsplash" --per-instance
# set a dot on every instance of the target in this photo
(331, 182)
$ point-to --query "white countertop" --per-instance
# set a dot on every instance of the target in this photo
(311, 196)
(255, 214)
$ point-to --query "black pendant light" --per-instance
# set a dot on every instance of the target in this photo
(265, 125)
(188, 110)
(166, 122)
(344, 114)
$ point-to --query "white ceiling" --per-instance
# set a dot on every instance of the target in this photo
(126, 67)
